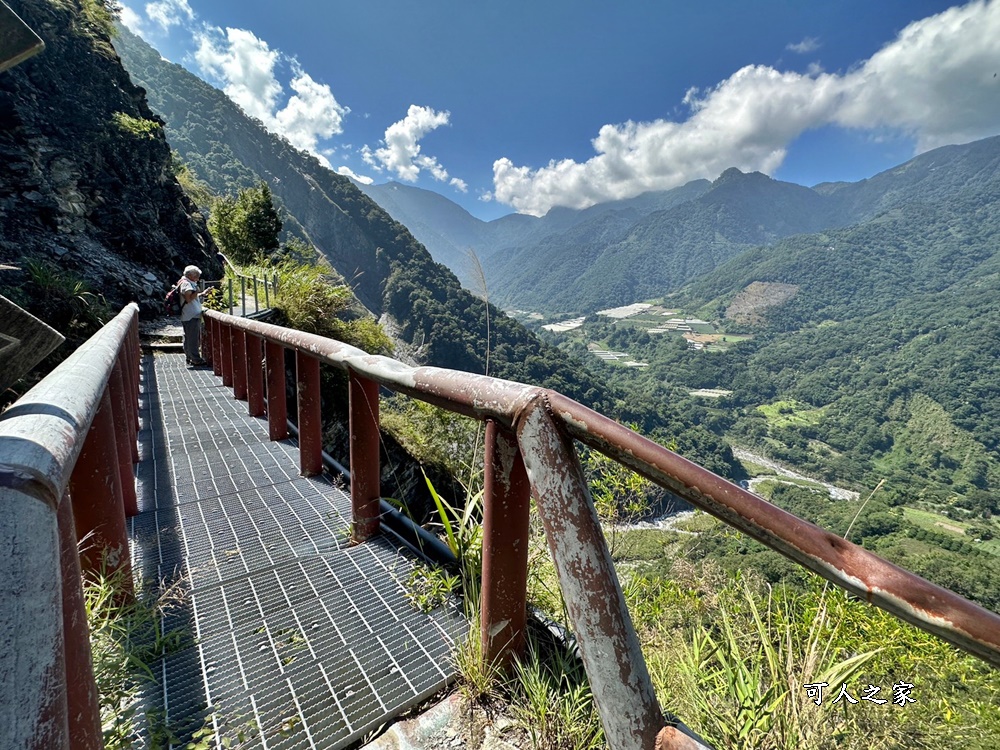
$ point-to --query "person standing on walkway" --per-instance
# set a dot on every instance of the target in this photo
(191, 315)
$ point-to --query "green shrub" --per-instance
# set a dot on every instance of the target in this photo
(102, 14)
(65, 301)
(137, 126)
(126, 638)
(312, 298)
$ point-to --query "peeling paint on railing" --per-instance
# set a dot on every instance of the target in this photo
(904, 594)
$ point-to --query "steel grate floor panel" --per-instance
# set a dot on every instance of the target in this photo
(292, 637)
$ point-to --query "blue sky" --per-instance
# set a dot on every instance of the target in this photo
(514, 105)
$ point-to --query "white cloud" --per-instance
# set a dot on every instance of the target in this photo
(245, 64)
(934, 82)
(807, 45)
(401, 150)
(460, 185)
(348, 172)
(131, 19)
(746, 121)
(167, 13)
(311, 114)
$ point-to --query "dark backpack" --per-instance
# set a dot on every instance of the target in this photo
(174, 301)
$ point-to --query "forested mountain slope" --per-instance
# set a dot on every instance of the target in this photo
(614, 260)
(450, 233)
(891, 338)
(446, 229)
(88, 198)
(620, 252)
(932, 177)
(421, 303)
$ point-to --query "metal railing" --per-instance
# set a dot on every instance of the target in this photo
(67, 450)
(530, 451)
(268, 284)
(253, 285)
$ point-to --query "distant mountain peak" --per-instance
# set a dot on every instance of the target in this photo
(734, 173)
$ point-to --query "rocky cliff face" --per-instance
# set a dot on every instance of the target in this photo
(86, 184)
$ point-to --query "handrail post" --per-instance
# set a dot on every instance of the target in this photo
(96, 490)
(506, 518)
(129, 357)
(256, 304)
(255, 376)
(217, 355)
(82, 699)
(243, 296)
(277, 404)
(208, 343)
(307, 383)
(33, 664)
(121, 418)
(267, 296)
(227, 355)
(239, 364)
(230, 296)
(619, 679)
(365, 480)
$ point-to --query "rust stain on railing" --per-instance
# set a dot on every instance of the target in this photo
(906, 595)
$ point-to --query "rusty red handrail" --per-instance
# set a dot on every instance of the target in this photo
(545, 424)
(65, 455)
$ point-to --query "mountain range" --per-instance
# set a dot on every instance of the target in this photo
(419, 302)
(450, 233)
(229, 150)
(578, 261)
(868, 351)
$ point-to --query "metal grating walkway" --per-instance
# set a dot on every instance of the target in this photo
(290, 637)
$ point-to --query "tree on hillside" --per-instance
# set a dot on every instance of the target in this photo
(246, 227)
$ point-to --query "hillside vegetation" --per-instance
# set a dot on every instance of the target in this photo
(91, 216)
(863, 356)
(85, 172)
(899, 307)
(421, 303)
(614, 260)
